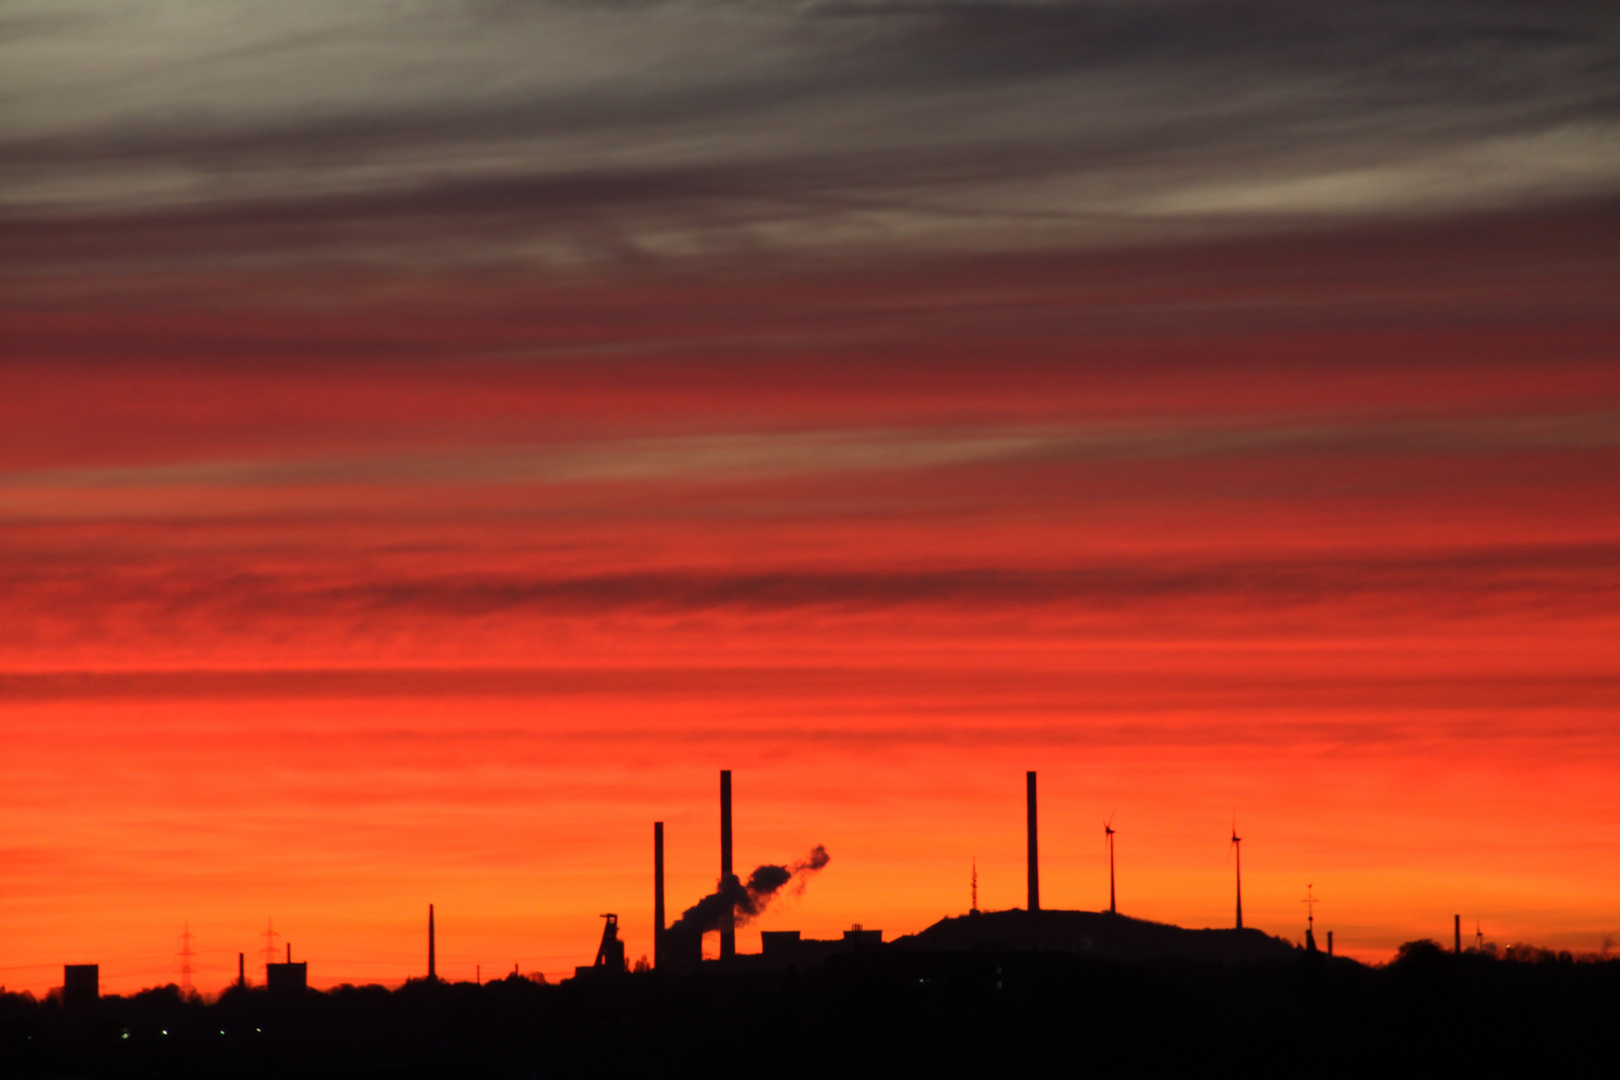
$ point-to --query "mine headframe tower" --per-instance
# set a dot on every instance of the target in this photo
(610, 954)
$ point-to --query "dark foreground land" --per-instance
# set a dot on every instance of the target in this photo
(985, 1013)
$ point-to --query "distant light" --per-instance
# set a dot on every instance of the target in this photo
(125, 1035)
(165, 1032)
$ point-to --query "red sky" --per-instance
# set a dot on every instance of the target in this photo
(436, 438)
(334, 588)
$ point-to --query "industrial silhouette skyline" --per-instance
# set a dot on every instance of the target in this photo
(736, 901)
(436, 437)
(1042, 974)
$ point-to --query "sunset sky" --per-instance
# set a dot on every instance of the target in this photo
(436, 437)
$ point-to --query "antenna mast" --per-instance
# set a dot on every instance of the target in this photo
(975, 908)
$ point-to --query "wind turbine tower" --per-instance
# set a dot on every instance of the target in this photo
(1237, 852)
(1108, 834)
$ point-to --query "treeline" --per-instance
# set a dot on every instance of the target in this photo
(909, 1014)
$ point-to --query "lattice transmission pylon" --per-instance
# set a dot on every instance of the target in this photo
(269, 949)
(187, 954)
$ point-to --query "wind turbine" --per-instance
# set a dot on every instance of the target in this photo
(1237, 852)
(1108, 834)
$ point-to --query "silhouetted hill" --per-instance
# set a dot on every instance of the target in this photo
(1097, 934)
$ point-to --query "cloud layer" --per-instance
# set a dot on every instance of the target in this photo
(559, 132)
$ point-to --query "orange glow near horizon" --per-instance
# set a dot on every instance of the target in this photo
(323, 615)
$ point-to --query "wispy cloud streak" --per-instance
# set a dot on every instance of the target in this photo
(742, 457)
(562, 131)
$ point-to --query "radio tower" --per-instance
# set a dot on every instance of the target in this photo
(975, 879)
(269, 949)
(186, 955)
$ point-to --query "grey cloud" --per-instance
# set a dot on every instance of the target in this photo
(660, 127)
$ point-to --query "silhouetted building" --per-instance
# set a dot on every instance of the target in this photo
(788, 948)
(683, 949)
(859, 937)
(81, 985)
(288, 978)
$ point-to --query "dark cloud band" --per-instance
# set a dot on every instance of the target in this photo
(560, 132)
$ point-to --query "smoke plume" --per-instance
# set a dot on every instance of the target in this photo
(748, 898)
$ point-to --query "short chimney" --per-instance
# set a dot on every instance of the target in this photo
(1034, 848)
(658, 894)
(728, 927)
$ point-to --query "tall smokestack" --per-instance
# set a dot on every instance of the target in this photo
(728, 929)
(1456, 934)
(241, 970)
(1034, 850)
(658, 894)
(433, 973)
